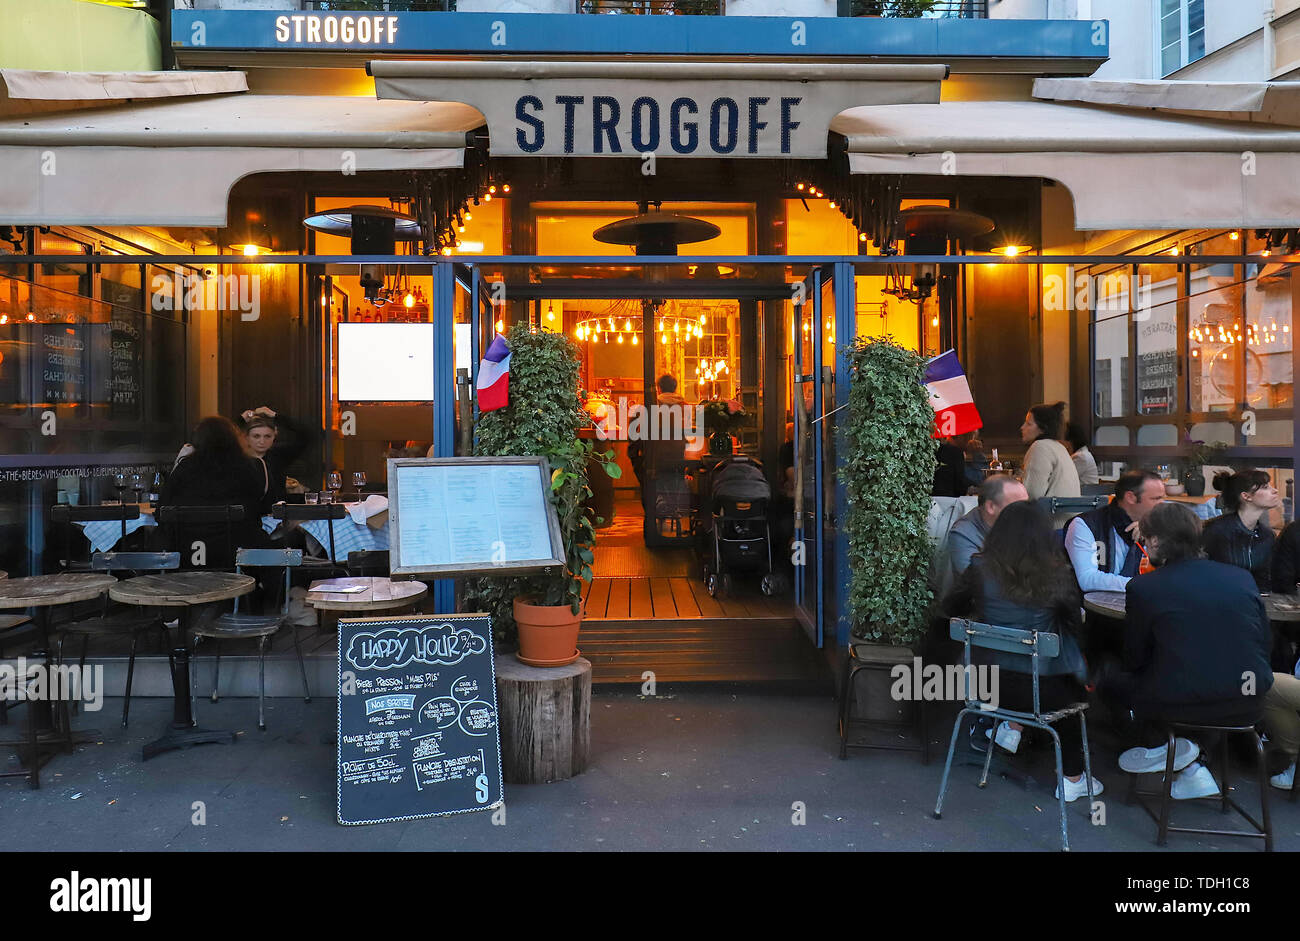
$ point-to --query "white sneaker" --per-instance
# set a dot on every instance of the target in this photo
(1284, 779)
(1192, 782)
(1076, 789)
(1008, 737)
(1149, 760)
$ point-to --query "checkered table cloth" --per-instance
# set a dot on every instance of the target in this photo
(105, 534)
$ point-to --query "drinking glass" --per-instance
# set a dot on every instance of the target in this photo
(311, 497)
(359, 480)
(327, 496)
(334, 481)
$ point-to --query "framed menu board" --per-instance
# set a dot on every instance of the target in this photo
(417, 714)
(472, 516)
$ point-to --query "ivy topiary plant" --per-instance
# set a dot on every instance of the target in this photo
(543, 419)
(888, 472)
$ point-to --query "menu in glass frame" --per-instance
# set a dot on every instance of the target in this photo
(472, 516)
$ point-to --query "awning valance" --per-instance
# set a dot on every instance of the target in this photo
(1125, 169)
(174, 162)
(669, 109)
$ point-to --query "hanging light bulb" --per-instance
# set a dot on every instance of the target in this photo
(636, 339)
(505, 187)
(487, 198)
(606, 336)
(550, 311)
(500, 325)
(578, 333)
(703, 319)
(798, 186)
(627, 325)
(934, 321)
(468, 215)
(676, 327)
(492, 189)
(611, 324)
(620, 338)
(663, 338)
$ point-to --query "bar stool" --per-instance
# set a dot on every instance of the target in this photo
(1262, 830)
(861, 657)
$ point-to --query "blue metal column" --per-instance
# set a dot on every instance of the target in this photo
(845, 329)
(819, 455)
(444, 394)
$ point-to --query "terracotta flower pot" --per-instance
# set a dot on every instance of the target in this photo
(548, 634)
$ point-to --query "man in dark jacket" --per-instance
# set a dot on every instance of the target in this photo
(1286, 560)
(1196, 648)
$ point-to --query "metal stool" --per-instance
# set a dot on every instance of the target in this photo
(1262, 830)
(860, 658)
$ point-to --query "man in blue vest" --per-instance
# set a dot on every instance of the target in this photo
(1100, 542)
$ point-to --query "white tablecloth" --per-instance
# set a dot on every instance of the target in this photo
(105, 534)
(348, 536)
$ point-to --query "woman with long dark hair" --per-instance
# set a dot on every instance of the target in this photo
(1243, 536)
(1049, 471)
(1022, 579)
(218, 473)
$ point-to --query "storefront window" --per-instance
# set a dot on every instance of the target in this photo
(1215, 330)
(1155, 291)
(1110, 358)
(1269, 380)
(69, 279)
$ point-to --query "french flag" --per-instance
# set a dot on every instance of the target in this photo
(494, 376)
(954, 407)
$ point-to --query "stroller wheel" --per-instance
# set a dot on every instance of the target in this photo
(770, 585)
(712, 584)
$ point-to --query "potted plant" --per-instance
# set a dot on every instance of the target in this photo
(897, 8)
(1202, 454)
(722, 419)
(888, 466)
(544, 416)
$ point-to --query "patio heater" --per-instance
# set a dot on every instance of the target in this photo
(655, 232)
(374, 230)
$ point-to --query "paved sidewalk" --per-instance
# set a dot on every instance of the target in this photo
(695, 769)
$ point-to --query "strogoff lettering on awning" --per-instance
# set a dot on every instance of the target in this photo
(604, 109)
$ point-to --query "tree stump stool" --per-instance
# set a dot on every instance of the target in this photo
(544, 714)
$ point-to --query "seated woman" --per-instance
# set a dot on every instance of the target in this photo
(1243, 536)
(218, 473)
(267, 442)
(1022, 579)
(1049, 472)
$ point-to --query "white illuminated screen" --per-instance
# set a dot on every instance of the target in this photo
(385, 362)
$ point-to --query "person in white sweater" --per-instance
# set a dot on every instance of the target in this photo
(1049, 471)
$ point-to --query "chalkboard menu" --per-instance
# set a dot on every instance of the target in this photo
(472, 516)
(62, 362)
(124, 367)
(417, 718)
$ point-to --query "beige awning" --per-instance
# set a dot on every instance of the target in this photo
(174, 162)
(669, 108)
(1125, 169)
(1261, 102)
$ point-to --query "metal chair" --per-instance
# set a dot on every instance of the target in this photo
(1031, 644)
(860, 657)
(10, 633)
(329, 512)
(70, 515)
(176, 518)
(1261, 829)
(364, 563)
(132, 621)
(242, 626)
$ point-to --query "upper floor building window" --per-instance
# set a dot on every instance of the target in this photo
(1180, 33)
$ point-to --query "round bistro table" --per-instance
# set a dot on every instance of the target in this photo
(187, 591)
(1111, 604)
(378, 594)
(41, 593)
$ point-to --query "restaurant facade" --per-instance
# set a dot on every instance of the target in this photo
(722, 200)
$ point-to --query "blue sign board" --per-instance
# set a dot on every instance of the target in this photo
(926, 38)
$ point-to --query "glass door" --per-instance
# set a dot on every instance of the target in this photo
(813, 305)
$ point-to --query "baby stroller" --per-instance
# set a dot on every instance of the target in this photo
(732, 527)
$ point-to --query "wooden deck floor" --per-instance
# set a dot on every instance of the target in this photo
(621, 599)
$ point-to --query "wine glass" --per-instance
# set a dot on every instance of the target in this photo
(334, 482)
(358, 481)
(137, 486)
(119, 484)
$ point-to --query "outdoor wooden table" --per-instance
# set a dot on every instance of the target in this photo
(1111, 604)
(184, 590)
(380, 594)
(41, 593)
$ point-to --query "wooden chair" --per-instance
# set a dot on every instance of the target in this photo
(129, 621)
(1032, 645)
(239, 625)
